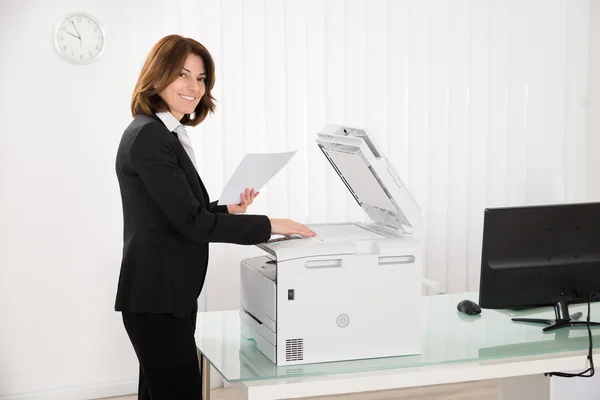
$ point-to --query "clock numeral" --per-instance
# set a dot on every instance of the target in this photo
(78, 19)
(81, 56)
(72, 52)
(64, 47)
(99, 37)
(96, 47)
(89, 22)
(62, 38)
(96, 29)
(64, 29)
(90, 53)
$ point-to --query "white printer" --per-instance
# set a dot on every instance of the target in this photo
(354, 290)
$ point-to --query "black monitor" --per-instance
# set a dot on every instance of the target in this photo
(544, 255)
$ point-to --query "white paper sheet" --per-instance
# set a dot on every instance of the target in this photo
(254, 171)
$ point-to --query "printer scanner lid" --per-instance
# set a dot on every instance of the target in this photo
(370, 177)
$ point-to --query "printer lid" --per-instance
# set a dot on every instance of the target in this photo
(370, 177)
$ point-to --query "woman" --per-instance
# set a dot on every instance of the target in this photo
(169, 219)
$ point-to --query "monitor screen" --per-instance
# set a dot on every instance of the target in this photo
(539, 255)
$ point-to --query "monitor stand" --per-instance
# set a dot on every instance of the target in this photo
(561, 310)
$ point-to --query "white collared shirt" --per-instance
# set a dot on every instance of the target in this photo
(175, 126)
(169, 120)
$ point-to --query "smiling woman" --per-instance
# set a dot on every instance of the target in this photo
(169, 219)
(185, 92)
(178, 72)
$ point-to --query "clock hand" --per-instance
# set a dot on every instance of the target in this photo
(78, 35)
(73, 35)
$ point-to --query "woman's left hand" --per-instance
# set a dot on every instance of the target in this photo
(247, 197)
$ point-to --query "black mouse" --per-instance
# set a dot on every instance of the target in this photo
(468, 307)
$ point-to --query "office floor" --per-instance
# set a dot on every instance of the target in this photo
(484, 390)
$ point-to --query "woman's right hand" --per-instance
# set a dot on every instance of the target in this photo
(289, 227)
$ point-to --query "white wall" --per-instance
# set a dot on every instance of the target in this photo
(60, 211)
(478, 103)
(593, 104)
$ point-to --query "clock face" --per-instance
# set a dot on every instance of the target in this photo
(79, 38)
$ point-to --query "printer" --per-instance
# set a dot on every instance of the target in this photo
(354, 290)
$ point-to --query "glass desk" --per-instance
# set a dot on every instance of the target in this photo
(449, 338)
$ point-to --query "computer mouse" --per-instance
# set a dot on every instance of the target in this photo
(468, 307)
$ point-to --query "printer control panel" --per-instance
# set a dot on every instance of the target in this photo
(287, 241)
(285, 238)
(301, 244)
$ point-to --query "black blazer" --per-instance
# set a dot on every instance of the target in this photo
(168, 222)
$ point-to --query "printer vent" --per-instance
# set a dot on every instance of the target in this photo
(294, 349)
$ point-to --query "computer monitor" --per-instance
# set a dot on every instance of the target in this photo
(544, 255)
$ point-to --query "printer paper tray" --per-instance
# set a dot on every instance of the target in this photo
(262, 344)
(259, 328)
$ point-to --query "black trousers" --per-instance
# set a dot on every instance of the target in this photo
(166, 350)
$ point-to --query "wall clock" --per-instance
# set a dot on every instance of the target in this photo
(79, 38)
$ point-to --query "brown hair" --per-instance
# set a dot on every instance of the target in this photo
(162, 66)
